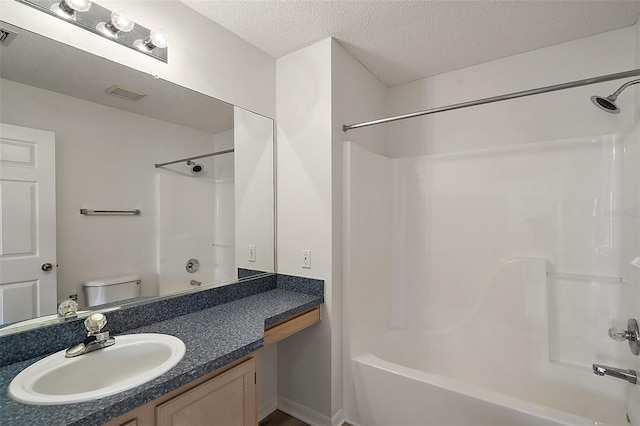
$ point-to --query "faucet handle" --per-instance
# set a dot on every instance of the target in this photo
(632, 334)
(95, 322)
(618, 333)
(67, 308)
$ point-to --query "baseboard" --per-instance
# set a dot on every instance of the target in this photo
(338, 419)
(308, 415)
(267, 408)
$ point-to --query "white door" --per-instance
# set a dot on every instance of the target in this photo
(27, 223)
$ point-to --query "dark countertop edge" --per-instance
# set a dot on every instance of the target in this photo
(161, 387)
(291, 313)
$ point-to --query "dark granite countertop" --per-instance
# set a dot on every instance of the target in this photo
(214, 337)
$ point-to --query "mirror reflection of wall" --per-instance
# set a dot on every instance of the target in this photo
(104, 159)
(105, 152)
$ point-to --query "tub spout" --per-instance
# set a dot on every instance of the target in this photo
(629, 375)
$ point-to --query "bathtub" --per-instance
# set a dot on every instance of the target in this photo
(406, 379)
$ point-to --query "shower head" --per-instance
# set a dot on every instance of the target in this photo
(195, 168)
(608, 104)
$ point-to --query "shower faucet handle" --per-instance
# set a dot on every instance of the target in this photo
(619, 334)
(632, 334)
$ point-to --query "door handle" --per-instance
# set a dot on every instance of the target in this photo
(47, 267)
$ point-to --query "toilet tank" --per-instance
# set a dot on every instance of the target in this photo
(106, 290)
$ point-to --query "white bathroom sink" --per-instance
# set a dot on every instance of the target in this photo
(133, 360)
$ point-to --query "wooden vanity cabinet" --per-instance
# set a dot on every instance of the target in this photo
(226, 398)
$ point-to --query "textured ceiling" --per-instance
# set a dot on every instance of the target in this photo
(402, 40)
(76, 73)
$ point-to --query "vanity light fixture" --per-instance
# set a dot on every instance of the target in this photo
(117, 25)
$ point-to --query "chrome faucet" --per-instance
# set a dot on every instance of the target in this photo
(95, 339)
(630, 376)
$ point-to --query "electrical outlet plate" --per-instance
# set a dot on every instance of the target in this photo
(306, 259)
(252, 253)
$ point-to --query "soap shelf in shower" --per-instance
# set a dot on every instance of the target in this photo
(581, 277)
(90, 212)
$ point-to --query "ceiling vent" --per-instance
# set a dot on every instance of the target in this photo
(6, 36)
(125, 93)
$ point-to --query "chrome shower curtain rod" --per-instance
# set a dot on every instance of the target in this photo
(522, 94)
(182, 160)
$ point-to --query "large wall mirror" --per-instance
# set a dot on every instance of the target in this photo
(81, 134)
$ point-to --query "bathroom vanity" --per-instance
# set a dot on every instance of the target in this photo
(218, 372)
(224, 397)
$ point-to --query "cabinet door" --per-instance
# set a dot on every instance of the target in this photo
(226, 400)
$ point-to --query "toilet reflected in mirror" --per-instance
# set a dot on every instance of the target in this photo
(108, 290)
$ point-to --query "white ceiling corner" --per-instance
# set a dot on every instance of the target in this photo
(404, 40)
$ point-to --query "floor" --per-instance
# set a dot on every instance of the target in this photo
(278, 418)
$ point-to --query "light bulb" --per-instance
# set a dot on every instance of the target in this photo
(158, 38)
(122, 21)
(78, 5)
(68, 8)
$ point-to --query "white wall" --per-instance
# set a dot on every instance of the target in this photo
(558, 115)
(356, 95)
(203, 56)
(319, 88)
(254, 190)
(303, 91)
(94, 169)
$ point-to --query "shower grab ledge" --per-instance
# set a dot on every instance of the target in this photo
(92, 212)
(583, 277)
